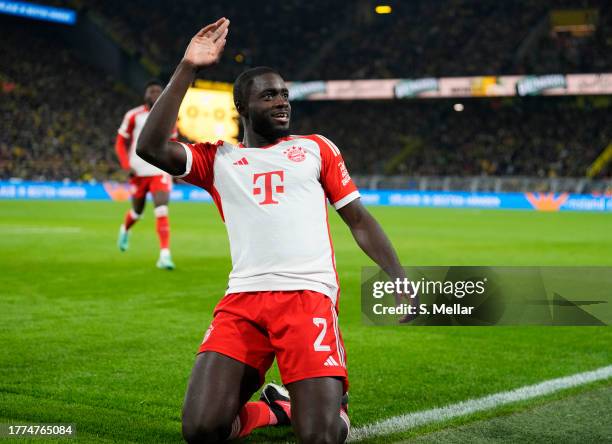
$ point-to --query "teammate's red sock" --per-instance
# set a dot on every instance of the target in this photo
(252, 416)
(163, 226)
(131, 218)
(163, 231)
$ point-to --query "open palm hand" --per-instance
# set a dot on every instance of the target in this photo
(206, 47)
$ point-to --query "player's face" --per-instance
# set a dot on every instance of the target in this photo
(269, 110)
(152, 93)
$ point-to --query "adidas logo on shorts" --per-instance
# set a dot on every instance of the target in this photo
(331, 362)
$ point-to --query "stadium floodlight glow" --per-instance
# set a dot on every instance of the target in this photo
(383, 9)
(38, 12)
(458, 107)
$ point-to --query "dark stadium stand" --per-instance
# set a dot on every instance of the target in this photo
(535, 137)
(325, 40)
(60, 115)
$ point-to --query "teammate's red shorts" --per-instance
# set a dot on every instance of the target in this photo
(140, 185)
(300, 328)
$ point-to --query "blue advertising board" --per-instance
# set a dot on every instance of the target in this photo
(406, 198)
(38, 12)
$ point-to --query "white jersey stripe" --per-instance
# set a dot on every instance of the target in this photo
(331, 145)
(338, 347)
(341, 346)
(347, 200)
(189, 161)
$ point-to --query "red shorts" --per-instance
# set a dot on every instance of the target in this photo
(300, 328)
(141, 185)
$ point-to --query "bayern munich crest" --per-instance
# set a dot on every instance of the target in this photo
(295, 153)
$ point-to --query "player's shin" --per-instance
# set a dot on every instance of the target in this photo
(131, 218)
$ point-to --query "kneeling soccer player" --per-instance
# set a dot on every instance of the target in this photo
(282, 298)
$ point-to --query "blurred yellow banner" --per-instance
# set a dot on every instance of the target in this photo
(482, 86)
(600, 163)
(208, 115)
(577, 21)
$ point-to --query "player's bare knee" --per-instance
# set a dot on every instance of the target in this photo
(205, 430)
(329, 435)
(161, 211)
(200, 435)
(324, 431)
(206, 422)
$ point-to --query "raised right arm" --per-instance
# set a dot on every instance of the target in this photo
(154, 146)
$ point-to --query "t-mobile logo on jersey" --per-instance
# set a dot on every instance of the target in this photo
(268, 179)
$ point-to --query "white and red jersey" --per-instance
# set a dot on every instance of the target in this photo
(274, 203)
(131, 126)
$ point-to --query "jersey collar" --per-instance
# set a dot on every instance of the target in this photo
(281, 140)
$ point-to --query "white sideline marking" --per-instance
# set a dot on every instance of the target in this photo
(408, 421)
(39, 230)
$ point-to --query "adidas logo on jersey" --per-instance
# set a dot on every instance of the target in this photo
(331, 362)
(242, 161)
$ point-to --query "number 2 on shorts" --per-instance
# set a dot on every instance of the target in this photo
(321, 322)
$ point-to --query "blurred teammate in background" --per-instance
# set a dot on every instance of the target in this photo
(144, 177)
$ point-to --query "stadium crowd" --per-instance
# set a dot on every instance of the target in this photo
(529, 137)
(564, 53)
(330, 41)
(60, 116)
(467, 37)
(259, 36)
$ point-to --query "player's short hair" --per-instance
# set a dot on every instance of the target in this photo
(242, 85)
(154, 82)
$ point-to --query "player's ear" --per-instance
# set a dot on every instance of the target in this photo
(240, 108)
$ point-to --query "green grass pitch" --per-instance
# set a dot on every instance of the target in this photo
(103, 339)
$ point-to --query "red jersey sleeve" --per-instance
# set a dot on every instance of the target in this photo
(338, 185)
(199, 165)
(121, 148)
(127, 125)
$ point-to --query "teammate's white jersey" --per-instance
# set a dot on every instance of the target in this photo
(131, 126)
(274, 204)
